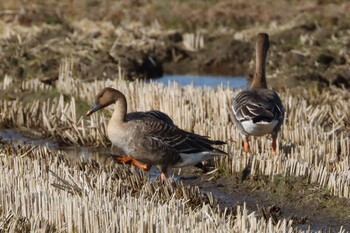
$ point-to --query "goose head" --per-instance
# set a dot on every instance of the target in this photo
(104, 98)
(262, 43)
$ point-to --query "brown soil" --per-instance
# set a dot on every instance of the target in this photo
(309, 39)
(285, 197)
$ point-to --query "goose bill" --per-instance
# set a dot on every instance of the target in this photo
(94, 108)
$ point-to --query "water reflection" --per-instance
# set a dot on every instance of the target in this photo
(102, 155)
(201, 81)
(18, 137)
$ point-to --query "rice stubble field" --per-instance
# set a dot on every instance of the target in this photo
(311, 170)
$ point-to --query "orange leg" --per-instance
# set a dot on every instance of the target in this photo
(163, 177)
(246, 146)
(164, 174)
(274, 146)
(136, 163)
(124, 159)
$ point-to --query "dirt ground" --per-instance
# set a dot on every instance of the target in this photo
(309, 39)
(284, 197)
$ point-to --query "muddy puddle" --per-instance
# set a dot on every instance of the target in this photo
(286, 197)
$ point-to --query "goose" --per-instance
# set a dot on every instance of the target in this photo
(258, 111)
(150, 138)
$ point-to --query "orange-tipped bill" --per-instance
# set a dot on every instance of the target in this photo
(94, 108)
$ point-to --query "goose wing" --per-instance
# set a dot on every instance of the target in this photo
(158, 115)
(258, 105)
(178, 139)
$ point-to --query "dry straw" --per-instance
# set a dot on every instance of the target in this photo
(314, 145)
(314, 141)
(41, 191)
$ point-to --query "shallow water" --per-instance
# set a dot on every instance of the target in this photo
(77, 153)
(203, 80)
(17, 137)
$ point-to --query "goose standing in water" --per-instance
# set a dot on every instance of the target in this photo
(258, 111)
(151, 138)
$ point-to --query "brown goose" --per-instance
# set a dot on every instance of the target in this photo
(258, 110)
(151, 138)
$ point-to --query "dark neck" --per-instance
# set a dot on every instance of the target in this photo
(259, 80)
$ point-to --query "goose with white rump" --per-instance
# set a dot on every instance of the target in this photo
(151, 138)
(258, 111)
